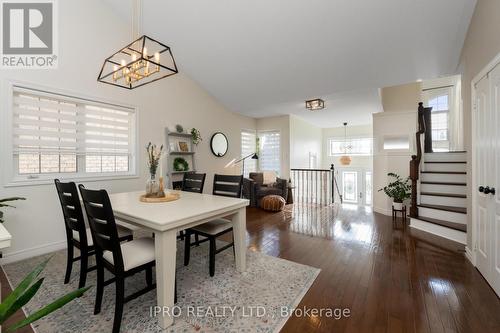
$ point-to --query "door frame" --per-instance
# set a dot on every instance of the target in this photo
(470, 253)
(361, 183)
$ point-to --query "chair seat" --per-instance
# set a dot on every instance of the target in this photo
(122, 232)
(135, 253)
(214, 227)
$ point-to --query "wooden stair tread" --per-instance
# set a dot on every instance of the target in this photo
(446, 172)
(448, 224)
(447, 152)
(453, 209)
(445, 162)
(450, 195)
(443, 183)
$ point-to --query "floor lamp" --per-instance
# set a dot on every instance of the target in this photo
(254, 156)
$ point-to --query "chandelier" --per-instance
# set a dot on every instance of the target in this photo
(143, 61)
(345, 159)
(315, 104)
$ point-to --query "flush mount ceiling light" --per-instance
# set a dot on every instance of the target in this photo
(143, 61)
(315, 104)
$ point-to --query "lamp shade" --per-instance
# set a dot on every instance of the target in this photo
(143, 61)
(345, 160)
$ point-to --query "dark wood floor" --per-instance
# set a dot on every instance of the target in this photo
(390, 281)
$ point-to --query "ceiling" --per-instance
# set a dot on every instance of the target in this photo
(265, 57)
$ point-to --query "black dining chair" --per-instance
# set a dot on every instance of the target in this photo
(224, 185)
(121, 259)
(77, 234)
(192, 182)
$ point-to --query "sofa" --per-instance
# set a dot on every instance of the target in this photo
(260, 184)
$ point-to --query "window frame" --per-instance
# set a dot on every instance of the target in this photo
(338, 138)
(11, 176)
(259, 132)
(255, 150)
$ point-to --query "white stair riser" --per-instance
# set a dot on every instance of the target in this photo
(445, 167)
(445, 157)
(438, 230)
(443, 201)
(442, 215)
(443, 177)
(438, 188)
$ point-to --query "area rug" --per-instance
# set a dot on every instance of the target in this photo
(253, 301)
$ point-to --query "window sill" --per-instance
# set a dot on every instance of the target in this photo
(50, 181)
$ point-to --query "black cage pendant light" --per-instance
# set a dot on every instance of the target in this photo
(143, 61)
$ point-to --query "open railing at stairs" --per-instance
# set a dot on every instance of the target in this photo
(316, 186)
(424, 127)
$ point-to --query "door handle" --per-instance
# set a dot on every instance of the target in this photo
(487, 190)
(481, 189)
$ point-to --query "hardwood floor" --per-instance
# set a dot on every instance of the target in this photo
(390, 281)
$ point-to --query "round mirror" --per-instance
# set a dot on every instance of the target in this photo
(219, 144)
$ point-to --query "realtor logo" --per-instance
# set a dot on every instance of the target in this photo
(28, 34)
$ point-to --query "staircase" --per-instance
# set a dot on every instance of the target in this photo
(441, 201)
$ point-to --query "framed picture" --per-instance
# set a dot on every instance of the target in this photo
(173, 146)
(183, 146)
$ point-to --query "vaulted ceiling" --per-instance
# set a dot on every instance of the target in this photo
(264, 57)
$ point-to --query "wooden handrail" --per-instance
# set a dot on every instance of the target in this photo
(424, 127)
(315, 185)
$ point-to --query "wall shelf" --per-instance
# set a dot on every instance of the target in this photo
(181, 153)
(182, 135)
(173, 138)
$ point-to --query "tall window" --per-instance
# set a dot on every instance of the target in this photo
(269, 153)
(249, 146)
(439, 100)
(60, 135)
(353, 146)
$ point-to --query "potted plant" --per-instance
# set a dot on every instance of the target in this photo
(196, 136)
(399, 190)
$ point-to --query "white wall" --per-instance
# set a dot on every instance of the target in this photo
(282, 124)
(305, 139)
(89, 32)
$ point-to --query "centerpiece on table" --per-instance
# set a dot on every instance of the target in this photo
(154, 186)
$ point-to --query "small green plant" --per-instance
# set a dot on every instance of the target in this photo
(154, 155)
(3, 204)
(399, 189)
(179, 128)
(196, 136)
(25, 291)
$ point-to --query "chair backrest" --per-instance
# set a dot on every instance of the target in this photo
(102, 223)
(193, 182)
(72, 210)
(227, 185)
(257, 177)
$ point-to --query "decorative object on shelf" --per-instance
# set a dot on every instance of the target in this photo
(154, 157)
(180, 164)
(315, 104)
(219, 144)
(173, 147)
(345, 159)
(235, 161)
(183, 146)
(196, 136)
(398, 190)
(143, 61)
(179, 128)
(25, 291)
(3, 204)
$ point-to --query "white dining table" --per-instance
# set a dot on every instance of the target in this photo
(166, 219)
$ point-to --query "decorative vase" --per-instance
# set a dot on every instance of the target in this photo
(152, 186)
(397, 205)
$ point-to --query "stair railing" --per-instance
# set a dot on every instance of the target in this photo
(424, 127)
(316, 186)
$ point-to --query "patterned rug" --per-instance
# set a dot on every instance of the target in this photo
(230, 301)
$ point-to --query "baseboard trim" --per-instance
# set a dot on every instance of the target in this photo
(469, 255)
(32, 252)
(382, 211)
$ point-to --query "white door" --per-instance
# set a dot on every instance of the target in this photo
(356, 185)
(487, 178)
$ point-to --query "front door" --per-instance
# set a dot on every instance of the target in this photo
(356, 185)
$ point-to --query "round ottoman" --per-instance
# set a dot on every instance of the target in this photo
(272, 203)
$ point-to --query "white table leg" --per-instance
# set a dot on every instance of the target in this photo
(165, 248)
(239, 230)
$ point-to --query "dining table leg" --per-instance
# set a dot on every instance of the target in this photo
(165, 254)
(239, 233)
